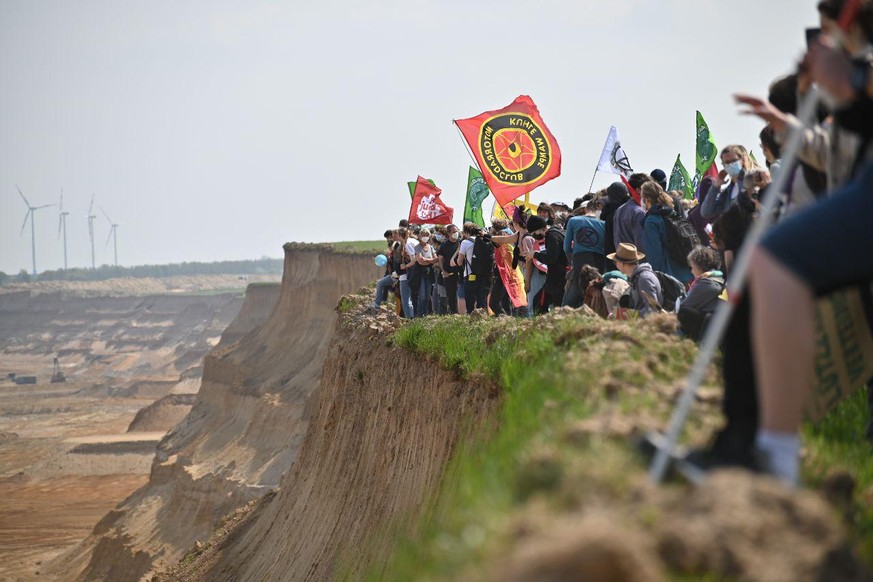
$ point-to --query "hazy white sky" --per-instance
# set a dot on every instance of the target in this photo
(216, 130)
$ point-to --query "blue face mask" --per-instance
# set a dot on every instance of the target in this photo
(733, 169)
(439, 238)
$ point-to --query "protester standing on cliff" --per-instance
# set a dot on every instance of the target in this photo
(616, 195)
(642, 279)
(407, 262)
(387, 282)
(628, 219)
(553, 257)
(450, 272)
(583, 244)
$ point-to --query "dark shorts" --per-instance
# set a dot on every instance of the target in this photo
(830, 245)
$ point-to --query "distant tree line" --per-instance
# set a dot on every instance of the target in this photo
(262, 266)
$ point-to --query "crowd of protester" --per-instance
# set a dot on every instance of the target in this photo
(567, 257)
(628, 256)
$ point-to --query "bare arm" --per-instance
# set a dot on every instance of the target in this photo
(815, 142)
(502, 239)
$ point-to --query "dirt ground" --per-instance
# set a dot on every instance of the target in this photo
(65, 461)
(40, 518)
(66, 456)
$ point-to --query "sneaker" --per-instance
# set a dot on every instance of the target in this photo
(699, 462)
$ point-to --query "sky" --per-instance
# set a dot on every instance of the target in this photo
(217, 130)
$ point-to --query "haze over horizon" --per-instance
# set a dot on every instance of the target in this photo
(220, 130)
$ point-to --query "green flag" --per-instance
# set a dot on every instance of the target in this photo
(706, 148)
(477, 191)
(680, 180)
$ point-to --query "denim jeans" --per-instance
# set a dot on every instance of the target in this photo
(383, 286)
(406, 299)
(537, 280)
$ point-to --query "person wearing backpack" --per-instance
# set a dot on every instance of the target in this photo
(553, 257)
(660, 220)
(704, 295)
(642, 279)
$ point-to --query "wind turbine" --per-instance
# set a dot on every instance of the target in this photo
(113, 234)
(30, 212)
(62, 224)
(91, 216)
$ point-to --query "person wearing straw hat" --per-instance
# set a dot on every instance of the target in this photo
(642, 279)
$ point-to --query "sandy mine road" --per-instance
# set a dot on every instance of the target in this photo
(65, 461)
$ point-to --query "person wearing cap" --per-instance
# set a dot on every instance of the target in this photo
(559, 207)
(553, 257)
(641, 277)
(659, 176)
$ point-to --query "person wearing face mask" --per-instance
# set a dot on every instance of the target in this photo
(426, 257)
(728, 185)
(450, 273)
(438, 292)
(553, 257)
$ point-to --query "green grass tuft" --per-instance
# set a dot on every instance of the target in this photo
(558, 375)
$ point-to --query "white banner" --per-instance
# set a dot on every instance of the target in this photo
(613, 160)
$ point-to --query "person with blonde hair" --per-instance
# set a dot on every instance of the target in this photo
(728, 185)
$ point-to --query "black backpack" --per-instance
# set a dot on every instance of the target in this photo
(671, 288)
(681, 237)
(483, 258)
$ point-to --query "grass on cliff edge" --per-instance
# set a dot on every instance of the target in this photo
(568, 383)
(360, 246)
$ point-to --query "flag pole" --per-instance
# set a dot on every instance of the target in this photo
(736, 282)
(592, 180)
(467, 147)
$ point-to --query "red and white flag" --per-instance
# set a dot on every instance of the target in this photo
(427, 208)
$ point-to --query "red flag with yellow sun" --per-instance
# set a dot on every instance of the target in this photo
(513, 147)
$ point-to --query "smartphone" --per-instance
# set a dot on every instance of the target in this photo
(812, 35)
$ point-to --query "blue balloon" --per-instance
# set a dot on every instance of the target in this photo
(381, 260)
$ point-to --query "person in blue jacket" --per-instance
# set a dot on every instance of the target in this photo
(658, 204)
(583, 245)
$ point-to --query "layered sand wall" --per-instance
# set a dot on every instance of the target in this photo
(375, 452)
(243, 432)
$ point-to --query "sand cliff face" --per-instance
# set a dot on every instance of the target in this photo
(386, 424)
(243, 432)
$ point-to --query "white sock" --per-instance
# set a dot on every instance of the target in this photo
(783, 454)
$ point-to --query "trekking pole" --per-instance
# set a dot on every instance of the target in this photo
(740, 273)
